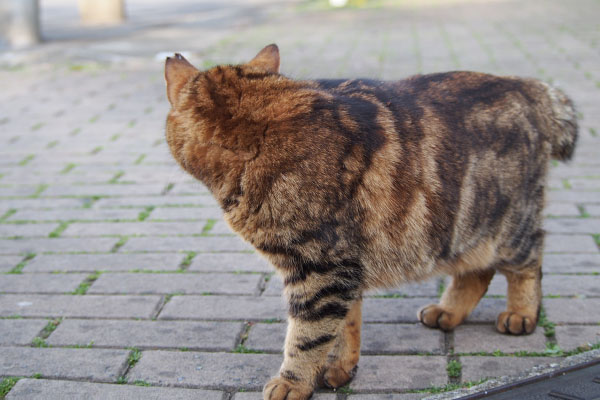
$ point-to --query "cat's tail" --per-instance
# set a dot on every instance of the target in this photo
(562, 127)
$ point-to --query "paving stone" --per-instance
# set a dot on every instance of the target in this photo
(570, 337)
(75, 214)
(221, 228)
(7, 263)
(60, 245)
(212, 336)
(98, 364)
(228, 262)
(20, 331)
(17, 191)
(186, 243)
(475, 368)
(133, 228)
(417, 289)
(78, 306)
(561, 210)
(41, 389)
(259, 396)
(388, 396)
(104, 190)
(399, 372)
(593, 209)
(189, 188)
(572, 311)
(45, 203)
(40, 283)
(224, 308)
(487, 310)
(393, 309)
(572, 196)
(485, 338)
(572, 225)
(26, 230)
(191, 369)
(182, 283)
(186, 213)
(169, 200)
(571, 263)
(570, 244)
(105, 262)
(555, 285)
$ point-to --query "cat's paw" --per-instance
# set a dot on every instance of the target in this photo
(335, 376)
(515, 323)
(280, 389)
(435, 316)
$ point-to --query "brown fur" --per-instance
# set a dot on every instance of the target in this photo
(348, 185)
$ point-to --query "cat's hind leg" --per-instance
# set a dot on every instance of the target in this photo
(458, 300)
(523, 300)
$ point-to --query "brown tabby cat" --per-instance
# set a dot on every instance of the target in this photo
(348, 185)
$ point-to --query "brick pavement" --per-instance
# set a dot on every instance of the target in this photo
(118, 277)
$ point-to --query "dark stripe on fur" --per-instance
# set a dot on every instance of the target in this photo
(333, 309)
(311, 344)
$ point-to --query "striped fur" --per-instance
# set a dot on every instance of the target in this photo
(348, 185)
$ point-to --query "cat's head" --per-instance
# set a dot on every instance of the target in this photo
(214, 119)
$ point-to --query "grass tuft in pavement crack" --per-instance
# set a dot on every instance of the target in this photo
(454, 369)
(119, 244)
(18, 269)
(39, 342)
(26, 160)
(134, 356)
(6, 385)
(146, 213)
(209, 225)
(87, 282)
(187, 261)
(59, 230)
(7, 214)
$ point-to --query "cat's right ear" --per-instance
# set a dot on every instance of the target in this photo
(177, 72)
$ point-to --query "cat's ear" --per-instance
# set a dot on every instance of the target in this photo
(178, 71)
(267, 59)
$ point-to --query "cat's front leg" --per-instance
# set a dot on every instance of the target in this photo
(318, 307)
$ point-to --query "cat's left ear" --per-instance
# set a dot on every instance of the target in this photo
(178, 71)
(267, 59)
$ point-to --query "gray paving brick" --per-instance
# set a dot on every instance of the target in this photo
(221, 228)
(41, 389)
(20, 331)
(225, 370)
(104, 190)
(133, 228)
(475, 368)
(399, 372)
(184, 283)
(227, 262)
(189, 188)
(157, 201)
(570, 244)
(572, 196)
(57, 245)
(42, 203)
(572, 311)
(186, 213)
(561, 210)
(572, 225)
(213, 336)
(75, 214)
(17, 191)
(259, 396)
(556, 285)
(485, 338)
(487, 310)
(417, 289)
(570, 337)
(388, 396)
(79, 306)
(26, 230)
(105, 262)
(40, 283)
(224, 308)
(393, 309)
(571, 263)
(186, 243)
(97, 364)
(9, 262)
(593, 209)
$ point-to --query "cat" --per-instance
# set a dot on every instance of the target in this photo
(349, 185)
